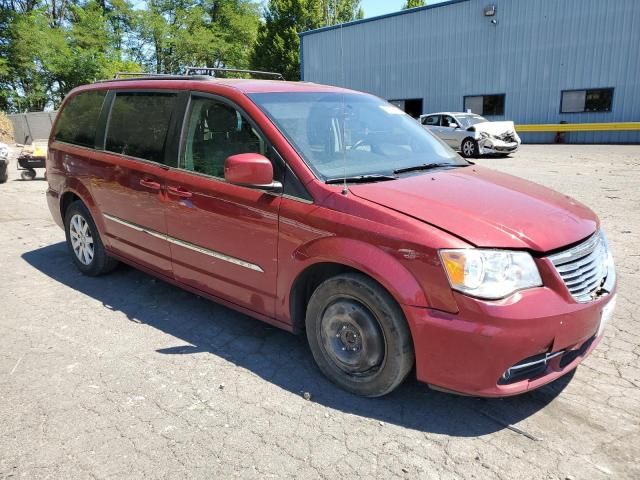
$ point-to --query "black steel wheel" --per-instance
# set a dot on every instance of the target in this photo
(358, 335)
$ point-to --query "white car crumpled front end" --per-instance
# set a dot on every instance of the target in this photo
(496, 138)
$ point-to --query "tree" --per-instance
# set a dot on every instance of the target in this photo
(278, 44)
(413, 4)
(48, 47)
(176, 33)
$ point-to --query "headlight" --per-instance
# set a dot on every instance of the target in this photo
(489, 274)
(484, 135)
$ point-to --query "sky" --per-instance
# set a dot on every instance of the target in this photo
(373, 8)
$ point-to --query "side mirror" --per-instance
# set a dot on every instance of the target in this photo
(453, 125)
(250, 170)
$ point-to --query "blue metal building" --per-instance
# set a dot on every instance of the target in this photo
(530, 61)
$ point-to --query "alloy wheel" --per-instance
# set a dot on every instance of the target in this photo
(81, 239)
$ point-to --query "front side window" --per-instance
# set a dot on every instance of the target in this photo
(485, 104)
(79, 118)
(351, 134)
(214, 132)
(139, 123)
(592, 100)
(447, 121)
(432, 120)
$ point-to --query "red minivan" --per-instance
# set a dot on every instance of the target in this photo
(330, 211)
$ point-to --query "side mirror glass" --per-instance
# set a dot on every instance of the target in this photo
(250, 170)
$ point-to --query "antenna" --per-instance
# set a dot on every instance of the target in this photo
(345, 188)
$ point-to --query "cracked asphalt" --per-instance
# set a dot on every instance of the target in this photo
(126, 376)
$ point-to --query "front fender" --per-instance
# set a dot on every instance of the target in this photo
(362, 256)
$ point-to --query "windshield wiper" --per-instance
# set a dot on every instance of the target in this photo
(362, 178)
(425, 166)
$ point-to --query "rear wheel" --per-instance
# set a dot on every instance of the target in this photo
(28, 174)
(469, 148)
(84, 242)
(358, 335)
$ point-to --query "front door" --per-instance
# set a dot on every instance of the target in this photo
(130, 176)
(223, 237)
(450, 134)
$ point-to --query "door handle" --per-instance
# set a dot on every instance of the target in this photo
(147, 182)
(179, 192)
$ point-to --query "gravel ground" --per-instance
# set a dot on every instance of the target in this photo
(126, 376)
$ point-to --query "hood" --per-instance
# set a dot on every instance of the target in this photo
(495, 128)
(486, 208)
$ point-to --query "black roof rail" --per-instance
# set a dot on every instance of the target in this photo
(120, 75)
(214, 72)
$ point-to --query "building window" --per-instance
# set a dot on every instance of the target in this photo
(485, 104)
(412, 106)
(591, 100)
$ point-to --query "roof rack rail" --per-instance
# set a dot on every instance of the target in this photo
(140, 74)
(214, 72)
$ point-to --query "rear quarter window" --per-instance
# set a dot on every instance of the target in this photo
(78, 119)
(139, 123)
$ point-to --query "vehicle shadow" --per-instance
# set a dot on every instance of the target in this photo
(279, 357)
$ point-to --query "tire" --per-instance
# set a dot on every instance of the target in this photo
(84, 243)
(28, 174)
(358, 335)
(469, 148)
(4, 175)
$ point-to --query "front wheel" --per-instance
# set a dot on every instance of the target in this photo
(469, 148)
(84, 242)
(358, 335)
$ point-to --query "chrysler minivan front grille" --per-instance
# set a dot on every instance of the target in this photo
(585, 268)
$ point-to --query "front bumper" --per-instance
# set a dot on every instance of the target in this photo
(488, 146)
(470, 352)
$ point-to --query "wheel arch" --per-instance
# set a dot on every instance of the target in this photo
(74, 191)
(354, 256)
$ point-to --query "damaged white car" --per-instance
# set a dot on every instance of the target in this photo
(472, 134)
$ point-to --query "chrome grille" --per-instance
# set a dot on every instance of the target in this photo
(587, 269)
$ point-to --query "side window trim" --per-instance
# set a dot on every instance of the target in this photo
(103, 121)
(174, 132)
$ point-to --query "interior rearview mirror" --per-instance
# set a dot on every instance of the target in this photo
(250, 170)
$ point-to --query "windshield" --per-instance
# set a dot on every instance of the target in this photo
(351, 134)
(468, 120)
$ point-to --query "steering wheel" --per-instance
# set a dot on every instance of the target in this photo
(363, 141)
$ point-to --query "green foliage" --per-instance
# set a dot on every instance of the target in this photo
(413, 4)
(278, 45)
(48, 47)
